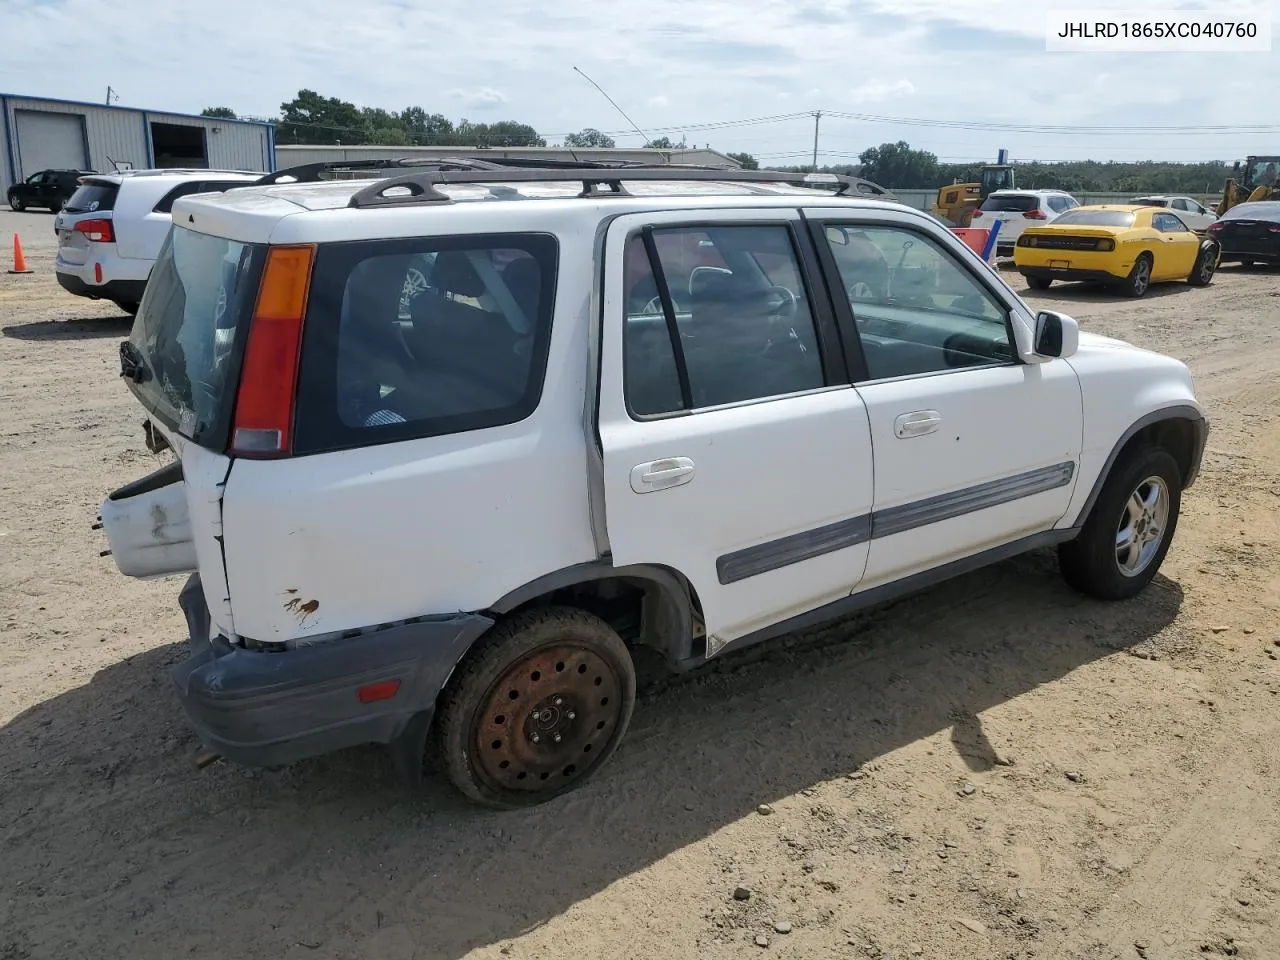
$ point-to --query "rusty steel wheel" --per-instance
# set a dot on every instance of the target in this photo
(536, 708)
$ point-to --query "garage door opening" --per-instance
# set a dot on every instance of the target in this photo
(179, 146)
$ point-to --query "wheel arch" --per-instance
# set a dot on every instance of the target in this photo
(1181, 429)
(668, 614)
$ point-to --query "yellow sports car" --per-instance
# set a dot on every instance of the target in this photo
(1125, 246)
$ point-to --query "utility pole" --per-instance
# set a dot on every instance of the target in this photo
(817, 115)
(111, 95)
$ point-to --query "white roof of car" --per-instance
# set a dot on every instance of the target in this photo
(186, 173)
(316, 212)
(1007, 192)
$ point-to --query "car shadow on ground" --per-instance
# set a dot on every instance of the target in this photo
(1086, 292)
(76, 328)
(113, 839)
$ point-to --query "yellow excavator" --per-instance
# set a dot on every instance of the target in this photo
(956, 202)
(1258, 178)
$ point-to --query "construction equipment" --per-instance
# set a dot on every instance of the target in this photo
(955, 203)
(1258, 178)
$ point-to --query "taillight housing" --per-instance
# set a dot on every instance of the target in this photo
(1034, 215)
(977, 214)
(96, 231)
(1215, 227)
(1104, 244)
(1274, 228)
(263, 422)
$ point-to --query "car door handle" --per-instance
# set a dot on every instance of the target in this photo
(661, 474)
(916, 424)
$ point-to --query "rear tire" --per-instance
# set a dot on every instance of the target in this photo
(1123, 542)
(1139, 280)
(537, 706)
(1205, 266)
(1039, 283)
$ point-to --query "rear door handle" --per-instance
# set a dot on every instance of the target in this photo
(916, 424)
(661, 474)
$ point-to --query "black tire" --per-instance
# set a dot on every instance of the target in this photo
(128, 306)
(1205, 267)
(1091, 562)
(1039, 283)
(17, 203)
(553, 672)
(1139, 280)
(1247, 264)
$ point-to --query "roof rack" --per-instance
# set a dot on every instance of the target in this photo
(420, 187)
(311, 172)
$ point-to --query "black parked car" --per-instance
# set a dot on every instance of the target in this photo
(48, 188)
(1249, 233)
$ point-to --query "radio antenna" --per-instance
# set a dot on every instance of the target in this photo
(643, 136)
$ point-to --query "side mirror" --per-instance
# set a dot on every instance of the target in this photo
(1057, 335)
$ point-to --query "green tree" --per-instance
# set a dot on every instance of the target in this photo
(898, 165)
(427, 128)
(747, 161)
(311, 118)
(589, 137)
(224, 113)
(662, 143)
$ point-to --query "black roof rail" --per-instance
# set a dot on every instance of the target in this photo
(311, 172)
(420, 186)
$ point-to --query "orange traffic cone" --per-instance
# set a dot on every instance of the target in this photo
(19, 261)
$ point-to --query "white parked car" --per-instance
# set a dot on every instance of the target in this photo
(112, 228)
(676, 409)
(1016, 210)
(1189, 210)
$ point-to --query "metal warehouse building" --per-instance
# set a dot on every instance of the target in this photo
(41, 134)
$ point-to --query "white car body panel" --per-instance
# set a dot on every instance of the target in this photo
(1013, 222)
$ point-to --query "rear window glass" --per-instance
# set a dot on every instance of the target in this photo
(414, 338)
(196, 186)
(1015, 203)
(189, 329)
(1253, 211)
(91, 198)
(1095, 218)
(1150, 202)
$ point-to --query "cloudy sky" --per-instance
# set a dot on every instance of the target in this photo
(672, 66)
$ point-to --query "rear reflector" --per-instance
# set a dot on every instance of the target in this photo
(264, 405)
(97, 273)
(374, 692)
(97, 231)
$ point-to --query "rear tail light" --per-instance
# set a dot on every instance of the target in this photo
(1026, 241)
(1274, 228)
(1106, 243)
(269, 376)
(1034, 215)
(1215, 227)
(98, 231)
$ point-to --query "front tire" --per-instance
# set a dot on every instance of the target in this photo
(1138, 282)
(1205, 266)
(1039, 283)
(536, 708)
(1125, 539)
(17, 203)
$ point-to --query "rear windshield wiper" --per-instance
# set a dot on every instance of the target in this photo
(132, 365)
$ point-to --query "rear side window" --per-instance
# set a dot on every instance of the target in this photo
(1016, 203)
(423, 337)
(92, 198)
(196, 186)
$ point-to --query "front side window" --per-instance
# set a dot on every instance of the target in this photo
(423, 337)
(715, 315)
(917, 308)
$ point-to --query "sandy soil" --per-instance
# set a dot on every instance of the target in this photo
(996, 768)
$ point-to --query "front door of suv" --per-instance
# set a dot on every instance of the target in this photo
(735, 450)
(973, 448)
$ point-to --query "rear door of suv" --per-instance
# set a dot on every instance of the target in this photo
(734, 448)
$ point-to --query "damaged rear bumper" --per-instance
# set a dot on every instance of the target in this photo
(272, 708)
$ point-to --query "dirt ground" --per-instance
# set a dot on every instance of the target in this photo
(996, 768)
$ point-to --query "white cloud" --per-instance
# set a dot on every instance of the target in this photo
(876, 91)
(982, 60)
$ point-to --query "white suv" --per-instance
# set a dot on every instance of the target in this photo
(1016, 210)
(675, 409)
(111, 230)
